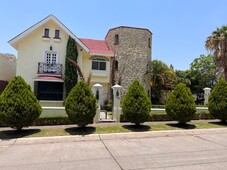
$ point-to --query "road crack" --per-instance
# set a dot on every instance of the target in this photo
(110, 153)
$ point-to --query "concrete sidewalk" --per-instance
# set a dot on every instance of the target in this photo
(176, 149)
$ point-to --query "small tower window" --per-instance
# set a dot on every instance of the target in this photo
(149, 42)
(116, 65)
(116, 39)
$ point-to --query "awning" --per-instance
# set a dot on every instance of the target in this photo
(48, 78)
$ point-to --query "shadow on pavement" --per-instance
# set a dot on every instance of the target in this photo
(182, 126)
(12, 134)
(80, 130)
(134, 128)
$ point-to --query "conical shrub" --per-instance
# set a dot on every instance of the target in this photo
(19, 106)
(181, 105)
(80, 105)
(217, 102)
(136, 104)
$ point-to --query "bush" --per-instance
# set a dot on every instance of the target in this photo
(181, 105)
(136, 104)
(19, 107)
(217, 103)
(53, 120)
(80, 105)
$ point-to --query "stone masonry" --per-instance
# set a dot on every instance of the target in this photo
(133, 52)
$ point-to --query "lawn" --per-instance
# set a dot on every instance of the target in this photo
(61, 131)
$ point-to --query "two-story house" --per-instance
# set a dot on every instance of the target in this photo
(42, 53)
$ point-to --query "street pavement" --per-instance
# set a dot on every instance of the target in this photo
(176, 149)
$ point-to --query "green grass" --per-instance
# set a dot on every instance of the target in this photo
(60, 131)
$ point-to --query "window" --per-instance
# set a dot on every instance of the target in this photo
(116, 39)
(51, 57)
(46, 32)
(98, 64)
(116, 65)
(149, 42)
(57, 34)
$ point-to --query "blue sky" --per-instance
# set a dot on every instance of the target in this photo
(179, 27)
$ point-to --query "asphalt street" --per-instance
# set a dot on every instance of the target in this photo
(181, 149)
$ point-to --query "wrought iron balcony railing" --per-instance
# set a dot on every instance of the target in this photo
(47, 68)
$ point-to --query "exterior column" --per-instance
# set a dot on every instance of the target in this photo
(116, 102)
(206, 94)
(96, 89)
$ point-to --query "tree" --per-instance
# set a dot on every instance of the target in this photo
(217, 102)
(19, 106)
(136, 104)
(183, 77)
(70, 72)
(181, 105)
(162, 79)
(205, 71)
(217, 44)
(80, 105)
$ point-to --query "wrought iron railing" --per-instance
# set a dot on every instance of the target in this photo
(47, 68)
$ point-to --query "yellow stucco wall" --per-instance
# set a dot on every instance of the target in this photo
(97, 76)
(31, 50)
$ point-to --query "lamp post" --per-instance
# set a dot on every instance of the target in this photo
(116, 102)
(96, 88)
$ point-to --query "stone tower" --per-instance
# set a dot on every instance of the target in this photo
(132, 49)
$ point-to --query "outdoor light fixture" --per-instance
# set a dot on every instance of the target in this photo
(51, 48)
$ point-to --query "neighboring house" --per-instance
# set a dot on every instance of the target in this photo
(7, 69)
(42, 53)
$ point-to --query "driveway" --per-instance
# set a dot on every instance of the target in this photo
(181, 149)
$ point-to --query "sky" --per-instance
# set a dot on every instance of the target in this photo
(179, 27)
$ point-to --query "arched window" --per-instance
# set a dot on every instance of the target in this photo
(149, 42)
(116, 39)
(98, 64)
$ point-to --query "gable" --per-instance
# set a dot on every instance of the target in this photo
(48, 20)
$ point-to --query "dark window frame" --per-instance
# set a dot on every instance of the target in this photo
(98, 64)
(116, 65)
(57, 34)
(149, 42)
(116, 39)
(46, 33)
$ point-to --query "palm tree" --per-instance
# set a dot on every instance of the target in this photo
(162, 76)
(162, 79)
(217, 44)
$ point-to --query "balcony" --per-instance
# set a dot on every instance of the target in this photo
(51, 69)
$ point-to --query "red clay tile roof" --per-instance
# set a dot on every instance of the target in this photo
(49, 78)
(96, 46)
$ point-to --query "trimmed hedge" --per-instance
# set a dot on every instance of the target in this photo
(19, 106)
(181, 105)
(80, 105)
(62, 120)
(136, 105)
(218, 101)
(164, 117)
